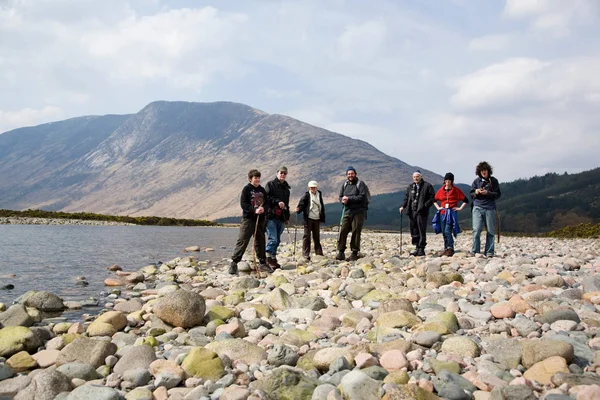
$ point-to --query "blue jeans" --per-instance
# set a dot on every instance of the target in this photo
(447, 233)
(275, 228)
(482, 217)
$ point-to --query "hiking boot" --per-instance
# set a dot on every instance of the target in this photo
(263, 267)
(340, 256)
(319, 253)
(420, 253)
(272, 262)
(233, 269)
(449, 252)
(414, 253)
(353, 256)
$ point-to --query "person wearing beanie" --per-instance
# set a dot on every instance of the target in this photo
(419, 197)
(485, 190)
(354, 196)
(448, 197)
(312, 206)
(278, 198)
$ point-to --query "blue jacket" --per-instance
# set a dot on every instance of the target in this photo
(449, 217)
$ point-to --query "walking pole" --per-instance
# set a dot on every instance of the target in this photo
(254, 248)
(295, 234)
(400, 233)
(287, 228)
(498, 224)
(341, 221)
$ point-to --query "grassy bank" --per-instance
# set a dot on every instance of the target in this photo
(158, 221)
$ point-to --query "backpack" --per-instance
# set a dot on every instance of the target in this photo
(368, 197)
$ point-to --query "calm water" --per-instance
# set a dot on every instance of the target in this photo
(50, 257)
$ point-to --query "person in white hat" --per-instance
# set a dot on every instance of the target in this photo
(311, 205)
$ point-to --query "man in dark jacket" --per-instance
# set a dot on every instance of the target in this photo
(278, 198)
(354, 197)
(252, 201)
(418, 198)
(313, 208)
(485, 190)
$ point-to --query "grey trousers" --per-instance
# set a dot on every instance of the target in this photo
(246, 232)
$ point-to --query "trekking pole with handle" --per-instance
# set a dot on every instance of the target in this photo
(401, 233)
(341, 222)
(254, 245)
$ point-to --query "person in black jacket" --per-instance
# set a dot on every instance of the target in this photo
(419, 198)
(485, 190)
(252, 201)
(312, 206)
(354, 197)
(278, 199)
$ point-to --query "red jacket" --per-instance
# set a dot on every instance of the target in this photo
(450, 198)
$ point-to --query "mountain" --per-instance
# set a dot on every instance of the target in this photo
(180, 159)
(535, 205)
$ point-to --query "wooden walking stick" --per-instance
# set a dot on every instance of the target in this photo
(254, 245)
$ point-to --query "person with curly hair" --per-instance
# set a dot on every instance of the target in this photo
(485, 190)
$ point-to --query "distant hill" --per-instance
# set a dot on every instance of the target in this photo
(179, 159)
(535, 205)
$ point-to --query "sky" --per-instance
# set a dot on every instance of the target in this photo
(441, 84)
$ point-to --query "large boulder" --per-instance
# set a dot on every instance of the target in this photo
(88, 392)
(16, 315)
(181, 308)
(45, 385)
(14, 339)
(136, 357)
(43, 301)
(87, 351)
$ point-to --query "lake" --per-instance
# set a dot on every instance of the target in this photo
(51, 257)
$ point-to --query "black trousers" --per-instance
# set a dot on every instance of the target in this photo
(246, 232)
(418, 229)
(312, 226)
(354, 223)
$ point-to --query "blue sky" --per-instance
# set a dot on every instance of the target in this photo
(441, 84)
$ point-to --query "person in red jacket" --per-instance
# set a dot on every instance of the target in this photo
(448, 198)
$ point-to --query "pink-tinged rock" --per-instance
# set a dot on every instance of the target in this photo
(521, 381)
(393, 360)
(159, 366)
(502, 310)
(425, 384)
(364, 360)
(114, 268)
(235, 328)
(235, 392)
(590, 392)
(46, 358)
(518, 304)
(77, 327)
(113, 282)
(160, 393)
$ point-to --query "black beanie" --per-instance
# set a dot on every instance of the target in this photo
(449, 176)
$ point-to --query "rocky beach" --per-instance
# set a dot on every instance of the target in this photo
(521, 325)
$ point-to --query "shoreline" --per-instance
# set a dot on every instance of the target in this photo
(386, 323)
(57, 221)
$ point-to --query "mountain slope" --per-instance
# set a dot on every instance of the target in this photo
(179, 159)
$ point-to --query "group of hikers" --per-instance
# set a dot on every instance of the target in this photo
(268, 210)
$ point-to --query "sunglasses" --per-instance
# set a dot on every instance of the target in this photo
(283, 173)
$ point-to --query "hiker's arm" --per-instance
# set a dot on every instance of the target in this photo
(405, 201)
(341, 192)
(494, 193)
(473, 190)
(245, 202)
(430, 197)
(301, 204)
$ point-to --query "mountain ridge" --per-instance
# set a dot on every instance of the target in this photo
(179, 159)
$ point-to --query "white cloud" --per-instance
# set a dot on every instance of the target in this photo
(554, 16)
(28, 117)
(490, 43)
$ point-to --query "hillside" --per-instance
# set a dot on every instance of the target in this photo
(179, 159)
